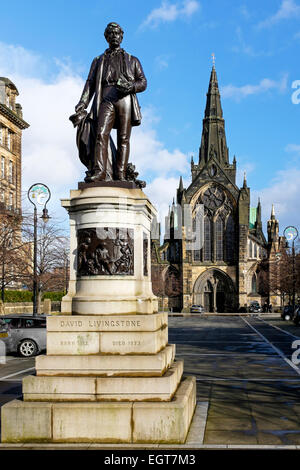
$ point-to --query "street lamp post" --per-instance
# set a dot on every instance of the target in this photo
(291, 233)
(39, 194)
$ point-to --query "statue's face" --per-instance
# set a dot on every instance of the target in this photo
(114, 37)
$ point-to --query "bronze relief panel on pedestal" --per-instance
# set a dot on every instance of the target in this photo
(105, 251)
(145, 253)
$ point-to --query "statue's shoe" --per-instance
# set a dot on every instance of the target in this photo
(96, 177)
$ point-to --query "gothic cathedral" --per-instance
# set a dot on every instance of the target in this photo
(229, 268)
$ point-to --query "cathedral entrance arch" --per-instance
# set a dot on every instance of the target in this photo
(215, 290)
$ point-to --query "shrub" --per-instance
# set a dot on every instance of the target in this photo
(53, 296)
(18, 296)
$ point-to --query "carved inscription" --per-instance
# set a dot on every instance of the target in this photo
(100, 324)
(105, 251)
(126, 343)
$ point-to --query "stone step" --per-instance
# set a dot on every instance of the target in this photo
(106, 365)
(105, 422)
(111, 342)
(103, 388)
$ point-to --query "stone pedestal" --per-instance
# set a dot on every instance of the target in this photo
(109, 374)
(118, 221)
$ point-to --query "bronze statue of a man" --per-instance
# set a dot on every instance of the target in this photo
(114, 79)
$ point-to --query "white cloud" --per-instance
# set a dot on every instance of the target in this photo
(245, 12)
(265, 85)
(287, 10)
(150, 154)
(293, 148)
(162, 62)
(242, 47)
(49, 149)
(283, 192)
(169, 12)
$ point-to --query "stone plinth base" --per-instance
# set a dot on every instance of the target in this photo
(103, 388)
(110, 422)
(154, 365)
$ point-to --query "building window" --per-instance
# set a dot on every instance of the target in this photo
(10, 171)
(253, 285)
(255, 250)
(250, 249)
(230, 239)
(219, 239)
(1, 135)
(11, 200)
(3, 167)
(9, 139)
(207, 240)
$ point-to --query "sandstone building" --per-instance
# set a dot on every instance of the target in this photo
(230, 268)
(11, 127)
(12, 124)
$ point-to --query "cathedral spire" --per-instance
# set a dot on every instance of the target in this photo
(213, 102)
(213, 143)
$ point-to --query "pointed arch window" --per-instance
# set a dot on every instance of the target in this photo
(207, 252)
(254, 284)
(219, 239)
(230, 239)
(255, 251)
(196, 253)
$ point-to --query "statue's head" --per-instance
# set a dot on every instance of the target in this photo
(113, 34)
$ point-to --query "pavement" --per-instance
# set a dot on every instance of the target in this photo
(247, 384)
(244, 371)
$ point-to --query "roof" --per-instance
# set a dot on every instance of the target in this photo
(9, 83)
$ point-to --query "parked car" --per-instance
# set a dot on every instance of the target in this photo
(197, 309)
(288, 312)
(254, 307)
(26, 334)
(296, 316)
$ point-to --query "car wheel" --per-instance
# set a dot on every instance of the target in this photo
(28, 348)
(287, 317)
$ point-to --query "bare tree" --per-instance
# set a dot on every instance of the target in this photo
(284, 275)
(14, 252)
(52, 254)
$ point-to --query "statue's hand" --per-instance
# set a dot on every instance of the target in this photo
(79, 107)
(124, 86)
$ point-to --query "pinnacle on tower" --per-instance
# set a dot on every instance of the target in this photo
(273, 212)
(180, 184)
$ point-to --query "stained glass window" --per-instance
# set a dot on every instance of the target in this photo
(219, 239)
(230, 240)
(207, 239)
(196, 253)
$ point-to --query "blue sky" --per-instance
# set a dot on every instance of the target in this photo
(46, 48)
